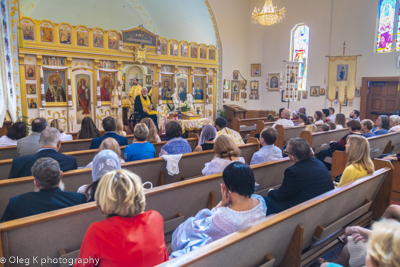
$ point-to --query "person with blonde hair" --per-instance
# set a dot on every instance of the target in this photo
(359, 163)
(153, 133)
(120, 128)
(394, 124)
(56, 123)
(340, 121)
(110, 144)
(312, 128)
(129, 235)
(366, 127)
(226, 152)
(140, 148)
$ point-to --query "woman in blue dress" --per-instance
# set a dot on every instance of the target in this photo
(383, 125)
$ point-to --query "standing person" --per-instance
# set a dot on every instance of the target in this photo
(340, 121)
(318, 117)
(359, 163)
(15, 133)
(30, 145)
(383, 124)
(285, 119)
(145, 107)
(306, 179)
(129, 236)
(88, 129)
(140, 148)
(56, 123)
(332, 116)
(207, 138)
(153, 132)
(355, 115)
(366, 127)
(394, 124)
(135, 90)
(221, 126)
(176, 144)
(109, 126)
(268, 151)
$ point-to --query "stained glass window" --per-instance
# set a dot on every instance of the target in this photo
(299, 53)
(387, 13)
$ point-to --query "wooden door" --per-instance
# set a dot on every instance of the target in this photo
(382, 99)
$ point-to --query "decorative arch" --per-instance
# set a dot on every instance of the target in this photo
(299, 46)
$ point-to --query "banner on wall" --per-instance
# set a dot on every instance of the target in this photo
(342, 78)
(291, 80)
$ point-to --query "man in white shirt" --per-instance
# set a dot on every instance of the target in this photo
(355, 115)
(268, 151)
(285, 119)
(332, 116)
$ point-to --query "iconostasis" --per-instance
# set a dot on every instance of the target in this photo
(71, 72)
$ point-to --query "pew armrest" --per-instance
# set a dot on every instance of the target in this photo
(269, 261)
(172, 224)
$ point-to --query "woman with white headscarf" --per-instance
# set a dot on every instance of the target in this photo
(207, 137)
(104, 162)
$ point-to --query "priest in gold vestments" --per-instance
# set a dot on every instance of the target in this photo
(144, 106)
(135, 90)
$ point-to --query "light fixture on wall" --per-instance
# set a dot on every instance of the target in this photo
(269, 15)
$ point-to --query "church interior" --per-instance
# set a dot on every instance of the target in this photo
(252, 70)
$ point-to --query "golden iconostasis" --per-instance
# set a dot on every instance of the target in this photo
(70, 72)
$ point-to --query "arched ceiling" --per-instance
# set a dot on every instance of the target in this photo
(187, 20)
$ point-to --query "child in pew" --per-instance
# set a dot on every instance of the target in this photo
(359, 163)
(129, 236)
(325, 127)
(332, 125)
(111, 144)
(311, 127)
(226, 152)
(238, 209)
(105, 161)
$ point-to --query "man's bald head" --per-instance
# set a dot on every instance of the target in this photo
(286, 113)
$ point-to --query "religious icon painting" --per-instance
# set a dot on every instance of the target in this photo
(211, 53)
(28, 30)
(65, 35)
(251, 96)
(182, 88)
(148, 79)
(255, 70)
(61, 61)
(243, 95)
(184, 50)
(242, 84)
(235, 87)
(237, 97)
(257, 97)
(53, 61)
(305, 94)
(210, 90)
(173, 48)
(314, 90)
(54, 86)
(31, 89)
(83, 97)
(45, 60)
(82, 37)
(30, 73)
(274, 80)
(32, 103)
(193, 51)
(342, 71)
(47, 34)
(167, 87)
(210, 100)
(112, 41)
(199, 88)
(203, 52)
(232, 97)
(164, 48)
(210, 80)
(98, 39)
(357, 92)
(107, 83)
(227, 83)
(322, 91)
(235, 75)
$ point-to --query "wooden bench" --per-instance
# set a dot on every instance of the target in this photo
(45, 234)
(152, 170)
(281, 239)
(317, 140)
(245, 126)
(285, 134)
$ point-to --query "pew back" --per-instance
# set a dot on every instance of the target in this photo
(379, 143)
(316, 140)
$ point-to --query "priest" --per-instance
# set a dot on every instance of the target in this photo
(144, 106)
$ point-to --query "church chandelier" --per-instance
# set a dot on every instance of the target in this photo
(269, 15)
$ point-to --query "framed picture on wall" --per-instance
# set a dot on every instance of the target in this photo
(322, 92)
(357, 92)
(235, 87)
(314, 90)
(255, 70)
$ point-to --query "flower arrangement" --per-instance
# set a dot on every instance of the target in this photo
(185, 105)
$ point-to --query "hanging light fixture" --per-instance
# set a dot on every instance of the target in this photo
(269, 15)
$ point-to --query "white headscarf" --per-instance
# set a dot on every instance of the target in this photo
(105, 161)
(207, 133)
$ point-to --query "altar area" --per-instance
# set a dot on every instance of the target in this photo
(69, 72)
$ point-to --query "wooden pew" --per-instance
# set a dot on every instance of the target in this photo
(245, 126)
(152, 170)
(316, 140)
(281, 239)
(284, 134)
(45, 234)
(84, 157)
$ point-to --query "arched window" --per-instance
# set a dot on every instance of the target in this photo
(386, 18)
(299, 51)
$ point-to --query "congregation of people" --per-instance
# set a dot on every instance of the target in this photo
(119, 193)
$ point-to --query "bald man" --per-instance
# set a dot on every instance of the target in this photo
(285, 119)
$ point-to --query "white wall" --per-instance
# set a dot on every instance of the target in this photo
(330, 22)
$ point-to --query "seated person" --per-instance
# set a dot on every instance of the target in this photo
(50, 144)
(129, 236)
(394, 157)
(325, 115)
(332, 116)
(302, 110)
(225, 153)
(176, 144)
(366, 127)
(354, 127)
(394, 124)
(110, 144)
(332, 125)
(238, 209)
(47, 174)
(355, 115)
(105, 161)
(268, 151)
(145, 107)
(359, 163)
(120, 128)
(109, 126)
(318, 117)
(311, 127)
(140, 148)
(303, 119)
(220, 125)
(207, 138)
(16, 132)
(88, 129)
(325, 127)
(285, 119)
(306, 179)
(270, 118)
(56, 123)
(29, 145)
(340, 121)
(383, 125)
(153, 132)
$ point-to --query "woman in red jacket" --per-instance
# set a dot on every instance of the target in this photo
(128, 236)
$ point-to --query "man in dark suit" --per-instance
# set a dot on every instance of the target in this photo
(109, 126)
(306, 179)
(50, 143)
(47, 174)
